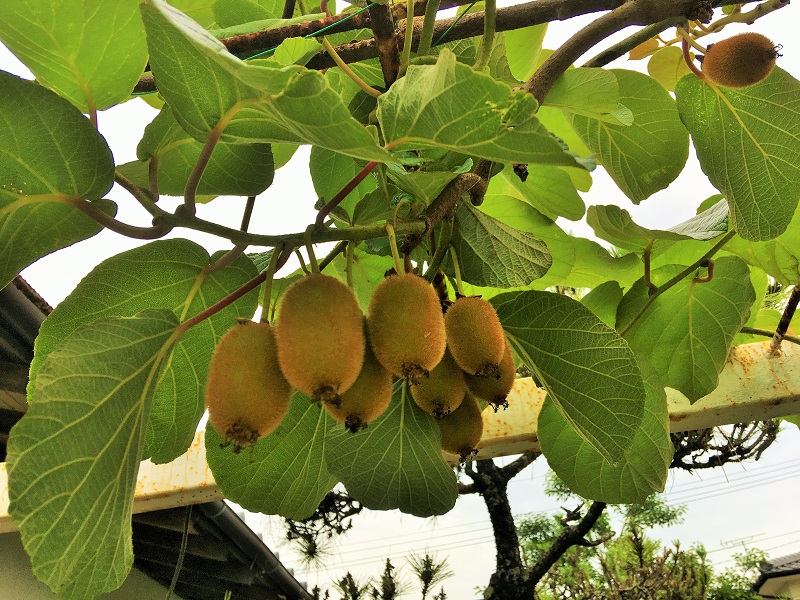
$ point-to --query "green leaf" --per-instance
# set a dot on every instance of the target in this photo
(259, 101)
(331, 171)
(74, 457)
(603, 301)
(648, 155)
(793, 419)
(162, 274)
(234, 169)
(50, 155)
(284, 473)
(577, 262)
(548, 189)
(448, 105)
(588, 370)
(615, 225)
(746, 141)
(91, 55)
(396, 462)
(237, 12)
(523, 47)
(643, 467)
(688, 330)
(368, 271)
(780, 257)
(593, 93)
(296, 51)
(490, 253)
(667, 66)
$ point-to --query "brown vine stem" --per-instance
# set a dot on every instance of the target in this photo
(687, 58)
(357, 233)
(542, 80)
(622, 48)
(233, 296)
(143, 196)
(703, 260)
(786, 319)
(155, 232)
(769, 333)
(192, 183)
(337, 199)
(152, 177)
(445, 205)
(382, 24)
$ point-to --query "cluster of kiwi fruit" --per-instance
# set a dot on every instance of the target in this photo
(452, 354)
(740, 61)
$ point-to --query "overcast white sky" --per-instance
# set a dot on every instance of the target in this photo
(755, 504)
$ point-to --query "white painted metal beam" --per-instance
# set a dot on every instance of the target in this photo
(754, 385)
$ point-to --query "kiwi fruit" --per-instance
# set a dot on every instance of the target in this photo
(740, 61)
(443, 390)
(246, 393)
(320, 337)
(492, 390)
(367, 399)
(462, 429)
(406, 326)
(475, 336)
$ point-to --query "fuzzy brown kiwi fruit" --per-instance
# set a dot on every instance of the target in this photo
(462, 429)
(740, 61)
(406, 326)
(367, 399)
(246, 393)
(475, 336)
(320, 337)
(443, 390)
(492, 390)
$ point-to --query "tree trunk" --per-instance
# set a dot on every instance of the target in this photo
(510, 580)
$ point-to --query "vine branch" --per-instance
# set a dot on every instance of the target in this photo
(382, 24)
(703, 260)
(445, 205)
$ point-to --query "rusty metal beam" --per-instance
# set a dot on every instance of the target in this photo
(754, 385)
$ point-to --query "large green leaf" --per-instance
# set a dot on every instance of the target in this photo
(259, 101)
(74, 457)
(588, 370)
(593, 93)
(91, 53)
(163, 274)
(49, 155)
(780, 257)
(284, 473)
(523, 47)
(491, 253)
(644, 465)
(234, 169)
(448, 105)
(577, 262)
(331, 171)
(396, 462)
(615, 225)
(549, 190)
(649, 154)
(688, 330)
(747, 143)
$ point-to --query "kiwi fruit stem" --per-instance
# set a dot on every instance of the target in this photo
(398, 264)
(266, 288)
(457, 269)
(312, 258)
